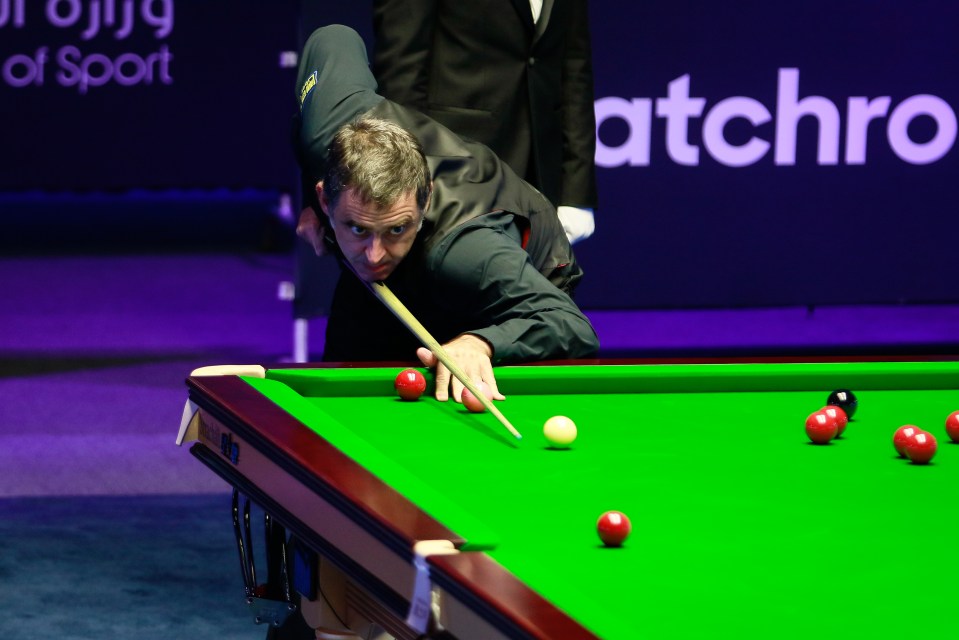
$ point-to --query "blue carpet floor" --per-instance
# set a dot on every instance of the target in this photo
(137, 567)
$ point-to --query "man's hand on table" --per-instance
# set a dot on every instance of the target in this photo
(473, 355)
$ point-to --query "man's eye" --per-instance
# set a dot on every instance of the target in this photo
(357, 231)
(398, 230)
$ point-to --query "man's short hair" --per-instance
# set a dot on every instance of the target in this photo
(380, 161)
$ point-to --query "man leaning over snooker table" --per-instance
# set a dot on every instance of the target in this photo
(477, 255)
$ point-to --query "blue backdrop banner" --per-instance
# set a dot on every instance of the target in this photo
(769, 153)
(749, 154)
(120, 94)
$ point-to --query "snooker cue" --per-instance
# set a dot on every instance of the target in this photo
(381, 291)
(384, 295)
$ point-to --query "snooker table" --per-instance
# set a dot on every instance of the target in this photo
(741, 526)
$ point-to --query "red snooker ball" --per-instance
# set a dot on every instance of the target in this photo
(613, 528)
(410, 384)
(902, 435)
(838, 415)
(821, 428)
(921, 447)
(952, 426)
(473, 403)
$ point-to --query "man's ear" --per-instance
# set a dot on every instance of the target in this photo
(321, 196)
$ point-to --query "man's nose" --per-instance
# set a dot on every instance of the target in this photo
(375, 251)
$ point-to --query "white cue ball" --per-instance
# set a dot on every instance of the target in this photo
(560, 431)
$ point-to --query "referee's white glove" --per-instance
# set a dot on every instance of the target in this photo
(577, 223)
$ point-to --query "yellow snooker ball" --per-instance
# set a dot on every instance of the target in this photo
(560, 431)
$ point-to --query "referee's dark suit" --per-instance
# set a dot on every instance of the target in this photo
(486, 71)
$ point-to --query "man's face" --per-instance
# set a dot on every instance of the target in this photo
(373, 239)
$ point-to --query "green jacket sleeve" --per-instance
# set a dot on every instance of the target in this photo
(485, 277)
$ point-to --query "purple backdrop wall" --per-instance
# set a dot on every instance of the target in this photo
(121, 94)
(766, 154)
(682, 227)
